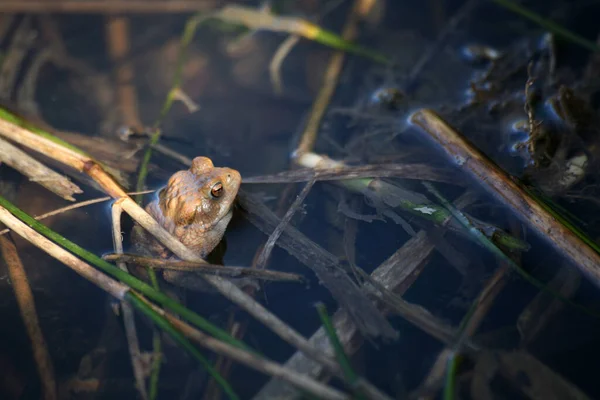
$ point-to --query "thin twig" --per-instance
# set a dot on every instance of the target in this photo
(105, 6)
(268, 247)
(395, 274)
(26, 304)
(330, 79)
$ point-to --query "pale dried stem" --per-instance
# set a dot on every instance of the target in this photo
(116, 289)
(225, 287)
(128, 315)
(24, 295)
(37, 172)
(499, 184)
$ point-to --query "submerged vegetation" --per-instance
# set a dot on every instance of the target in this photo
(432, 162)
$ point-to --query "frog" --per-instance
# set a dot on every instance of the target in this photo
(195, 206)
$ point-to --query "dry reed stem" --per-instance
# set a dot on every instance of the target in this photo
(128, 315)
(37, 172)
(264, 365)
(498, 183)
(330, 79)
(24, 295)
(116, 289)
(225, 287)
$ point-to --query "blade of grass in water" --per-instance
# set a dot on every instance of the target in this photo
(490, 246)
(123, 276)
(182, 340)
(340, 354)
(547, 24)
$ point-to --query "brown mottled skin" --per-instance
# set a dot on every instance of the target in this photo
(195, 206)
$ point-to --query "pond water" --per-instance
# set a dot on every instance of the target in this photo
(528, 345)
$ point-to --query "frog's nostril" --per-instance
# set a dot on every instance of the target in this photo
(228, 177)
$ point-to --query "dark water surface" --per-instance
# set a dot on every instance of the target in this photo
(244, 125)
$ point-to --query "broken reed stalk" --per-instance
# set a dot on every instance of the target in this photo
(26, 303)
(87, 165)
(566, 239)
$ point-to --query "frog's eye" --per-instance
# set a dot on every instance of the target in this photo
(217, 190)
